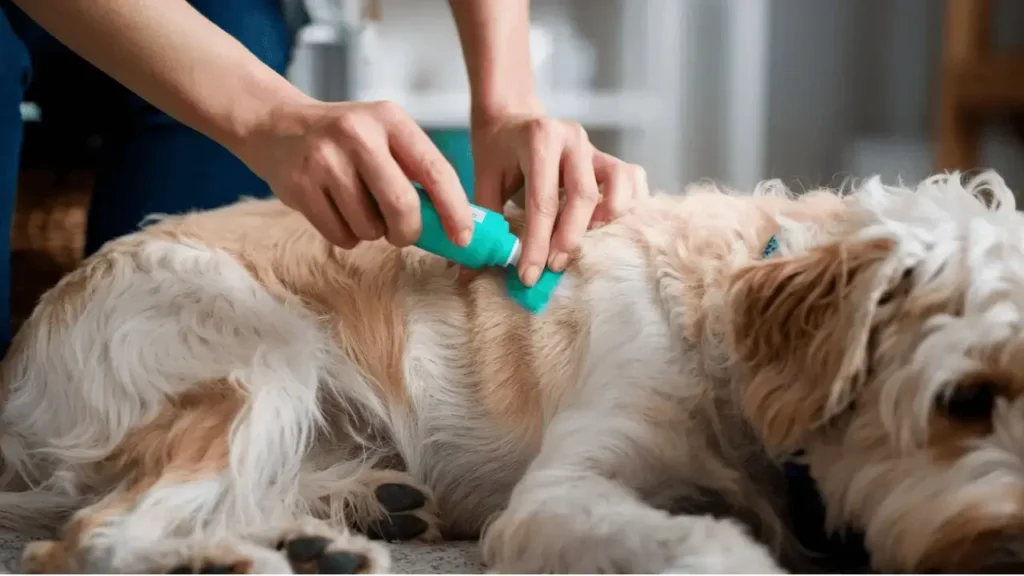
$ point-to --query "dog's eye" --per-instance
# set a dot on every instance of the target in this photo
(971, 402)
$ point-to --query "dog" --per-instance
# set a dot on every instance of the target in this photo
(225, 391)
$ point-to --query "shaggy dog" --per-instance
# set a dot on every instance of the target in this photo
(223, 391)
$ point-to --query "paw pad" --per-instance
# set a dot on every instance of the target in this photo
(398, 500)
(399, 497)
(210, 569)
(311, 556)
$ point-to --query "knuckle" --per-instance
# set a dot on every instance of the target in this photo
(404, 205)
(541, 206)
(541, 130)
(588, 194)
(434, 171)
(639, 174)
(321, 152)
(388, 110)
(577, 133)
(351, 126)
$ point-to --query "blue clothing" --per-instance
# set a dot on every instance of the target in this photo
(15, 73)
(149, 163)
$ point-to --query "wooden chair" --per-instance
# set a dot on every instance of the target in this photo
(977, 82)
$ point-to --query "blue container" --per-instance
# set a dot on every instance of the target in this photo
(457, 148)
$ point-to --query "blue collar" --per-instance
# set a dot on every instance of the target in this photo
(771, 248)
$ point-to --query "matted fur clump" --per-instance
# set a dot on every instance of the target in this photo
(224, 390)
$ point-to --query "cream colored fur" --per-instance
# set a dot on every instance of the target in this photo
(201, 390)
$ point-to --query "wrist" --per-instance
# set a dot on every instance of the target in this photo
(491, 108)
(258, 106)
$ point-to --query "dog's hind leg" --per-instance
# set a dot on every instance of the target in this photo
(189, 502)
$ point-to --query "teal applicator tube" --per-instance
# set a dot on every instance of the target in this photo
(493, 245)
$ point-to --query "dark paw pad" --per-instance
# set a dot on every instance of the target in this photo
(397, 500)
(399, 497)
(311, 556)
(207, 569)
(397, 527)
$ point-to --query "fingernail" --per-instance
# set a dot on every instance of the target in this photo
(465, 237)
(559, 260)
(530, 275)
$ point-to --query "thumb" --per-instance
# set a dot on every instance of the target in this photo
(487, 189)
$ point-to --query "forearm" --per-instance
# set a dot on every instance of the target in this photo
(495, 37)
(172, 56)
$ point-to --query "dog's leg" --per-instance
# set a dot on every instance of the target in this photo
(576, 511)
(107, 538)
(381, 503)
(199, 493)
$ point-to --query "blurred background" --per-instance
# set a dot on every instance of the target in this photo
(810, 91)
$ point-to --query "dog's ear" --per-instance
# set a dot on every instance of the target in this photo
(800, 328)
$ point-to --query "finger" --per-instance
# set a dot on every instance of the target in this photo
(390, 188)
(487, 191)
(424, 163)
(617, 191)
(325, 217)
(353, 201)
(581, 199)
(541, 169)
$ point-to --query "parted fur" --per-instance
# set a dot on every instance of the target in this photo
(202, 390)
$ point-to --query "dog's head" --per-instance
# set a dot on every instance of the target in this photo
(890, 354)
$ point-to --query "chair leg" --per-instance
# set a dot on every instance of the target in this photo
(966, 42)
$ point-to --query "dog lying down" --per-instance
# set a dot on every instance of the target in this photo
(224, 392)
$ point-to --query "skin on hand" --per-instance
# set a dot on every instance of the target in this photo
(319, 158)
(516, 143)
(545, 155)
(347, 167)
(323, 159)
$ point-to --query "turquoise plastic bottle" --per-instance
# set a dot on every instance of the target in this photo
(493, 245)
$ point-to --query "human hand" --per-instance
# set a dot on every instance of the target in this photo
(347, 167)
(548, 154)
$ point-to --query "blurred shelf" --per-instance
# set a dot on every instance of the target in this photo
(591, 109)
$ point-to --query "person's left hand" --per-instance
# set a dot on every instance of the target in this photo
(547, 154)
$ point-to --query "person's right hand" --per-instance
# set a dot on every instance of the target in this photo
(348, 168)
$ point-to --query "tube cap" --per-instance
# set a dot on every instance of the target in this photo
(534, 298)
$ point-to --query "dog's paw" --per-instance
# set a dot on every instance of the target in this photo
(721, 546)
(408, 514)
(390, 505)
(223, 559)
(315, 548)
